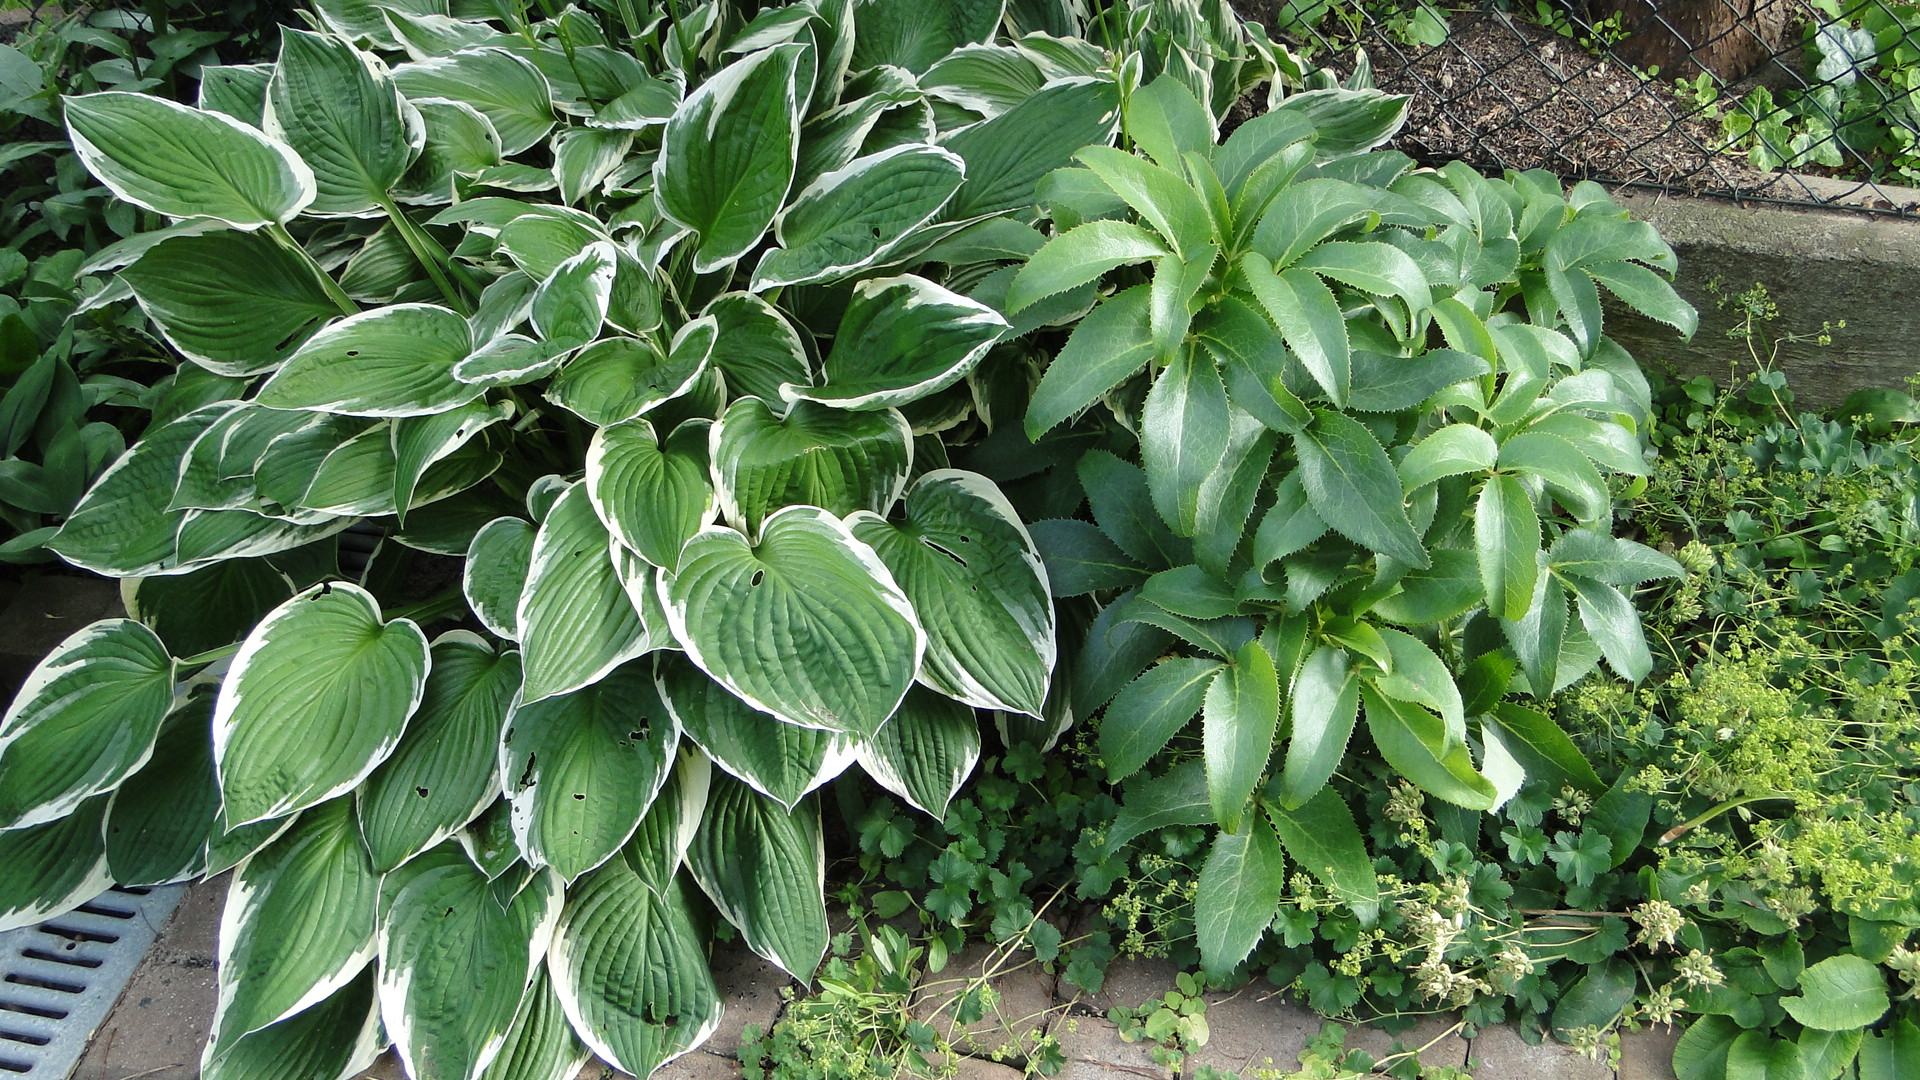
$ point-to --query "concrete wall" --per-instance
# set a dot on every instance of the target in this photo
(1818, 265)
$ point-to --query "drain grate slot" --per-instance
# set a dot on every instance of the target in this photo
(59, 980)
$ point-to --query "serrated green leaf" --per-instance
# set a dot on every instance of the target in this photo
(814, 456)
(316, 698)
(1289, 525)
(1324, 840)
(1542, 747)
(1080, 559)
(849, 218)
(1237, 894)
(1167, 202)
(233, 302)
(764, 867)
(1420, 676)
(1392, 383)
(1507, 538)
(339, 110)
(1241, 713)
(1572, 479)
(1185, 429)
(1108, 346)
(1352, 485)
(1450, 451)
(1304, 309)
(1150, 710)
(1081, 255)
(1323, 705)
(652, 495)
(1415, 742)
(1176, 797)
(1615, 627)
(1117, 492)
(1614, 561)
(1648, 293)
(1304, 214)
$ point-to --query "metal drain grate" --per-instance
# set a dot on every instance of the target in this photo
(59, 980)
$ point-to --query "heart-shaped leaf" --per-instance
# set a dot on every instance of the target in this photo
(814, 630)
(764, 867)
(620, 378)
(814, 456)
(652, 495)
(901, 339)
(763, 351)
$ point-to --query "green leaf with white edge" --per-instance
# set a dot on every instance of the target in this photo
(1380, 269)
(53, 867)
(1506, 533)
(185, 163)
(619, 378)
(1168, 203)
(1352, 485)
(653, 495)
(763, 350)
(780, 760)
(239, 90)
(571, 304)
(1323, 839)
(808, 591)
(1648, 293)
(1838, 994)
(1757, 1055)
(1324, 703)
(338, 108)
(764, 868)
(925, 751)
(1349, 121)
(630, 969)
(1415, 743)
(816, 455)
(1612, 560)
(236, 303)
(509, 360)
(575, 620)
(541, 238)
(973, 575)
(1184, 434)
(1304, 214)
(915, 36)
(659, 846)
(421, 441)
(158, 824)
(901, 339)
(84, 720)
(495, 574)
(508, 91)
(1614, 626)
(209, 536)
(580, 769)
(1150, 710)
(1893, 1055)
(455, 963)
(584, 157)
(390, 361)
(1081, 255)
(445, 769)
(460, 143)
(316, 698)
(540, 1045)
(1106, 348)
(330, 1040)
(121, 526)
(1009, 154)
(1309, 318)
(1450, 451)
(298, 925)
(1421, 677)
(1241, 713)
(850, 217)
(729, 152)
(1237, 895)
(1572, 479)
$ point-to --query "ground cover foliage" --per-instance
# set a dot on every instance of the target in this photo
(783, 390)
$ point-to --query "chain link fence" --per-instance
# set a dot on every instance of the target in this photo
(1797, 101)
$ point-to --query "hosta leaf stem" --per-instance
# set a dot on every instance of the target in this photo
(333, 290)
(430, 255)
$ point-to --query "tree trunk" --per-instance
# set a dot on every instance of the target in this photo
(1684, 37)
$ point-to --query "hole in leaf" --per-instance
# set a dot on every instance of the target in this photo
(944, 551)
(527, 775)
(353, 352)
(758, 576)
(420, 791)
(580, 796)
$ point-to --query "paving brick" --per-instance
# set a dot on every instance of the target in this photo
(1431, 1032)
(1129, 983)
(1025, 1005)
(1253, 1028)
(1503, 1055)
(751, 989)
(1095, 1051)
(697, 1065)
(1648, 1054)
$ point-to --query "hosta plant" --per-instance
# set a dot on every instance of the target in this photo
(1352, 430)
(657, 342)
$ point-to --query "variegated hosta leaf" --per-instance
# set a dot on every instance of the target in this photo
(808, 625)
(495, 574)
(509, 360)
(340, 111)
(235, 303)
(210, 536)
(391, 361)
(540, 1045)
(762, 352)
(185, 163)
(1007, 155)
(298, 924)
(421, 441)
(901, 339)
(780, 760)
(546, 237)
(571, 304)
(630, 969)
(53, 867)
(728, 154)
(460, 142)
(507, 90)
(975, 578)
(160, 820)
(815, 456)
(925, 751)
(488, 839)
(332, 1040)
(455, 963)
(218, 471)
(764, 866)
(849, 218)
(653, 496)
(121, 526)
(575, 621)
(620, 378)
(581, 768)
(84, 720)
(316, 697)
(659, 845)
(446, 768)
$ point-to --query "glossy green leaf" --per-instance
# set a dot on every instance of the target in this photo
(1414, 741)
(1150, 710)
(1237, 895)
(1648, 293)
(339, 110)
(1380, 269)
(901, 339)
(299, 924)
(539, 1045)
(1352, 485)
(1614, 626)
(510, 92)
(729, 153)
(652, 495)
(814, 456)
(1166, 201)
(1421, 677)
(1542, 747)
(1612, 560)
(1123, 508)
(1446, 590)
(764, 868)
(1385, 383)
(445, 769)
(850, 217)
(185, 163)
(925, 751)
(1184, 436)
(1108, 346)
(316, 698)
(762, 350)
(1450, 451)
(495, 574)
(1572, 479)
(391, 361)
(575, 620)
(1304, 214)
(53, 867)
(1309, 318)
(1324, 840)
(1838, 994)
(973, 575)
(1080, 559)
(333, 1039)
(1176, 797)
(1324, 704)
(233, 302)
(1081, 255)
(581, 768)
(83, 721)
(780, 760)
(1241, 712)
(1506, 533)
